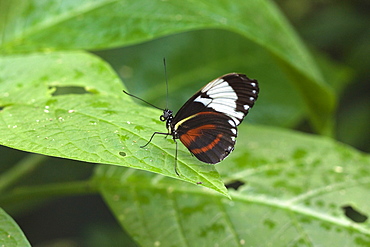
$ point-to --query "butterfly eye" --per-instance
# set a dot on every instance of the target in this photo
(162, 118)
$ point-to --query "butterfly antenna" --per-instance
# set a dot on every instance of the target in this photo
(165, 75)
(134, 96)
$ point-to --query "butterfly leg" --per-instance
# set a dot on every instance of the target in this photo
(160, 133)
(176, 159)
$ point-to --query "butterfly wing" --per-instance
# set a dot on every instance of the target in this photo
(210, 136)
(207, 122)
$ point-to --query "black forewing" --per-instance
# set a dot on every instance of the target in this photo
(189, 108)
(246, 89)
(242, 86)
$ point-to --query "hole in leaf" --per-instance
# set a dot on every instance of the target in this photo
(68, 90)
(122, 154)
(353, 214)
(235, 184)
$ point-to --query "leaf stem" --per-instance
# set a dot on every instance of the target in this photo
(48, 191)
(20, 169)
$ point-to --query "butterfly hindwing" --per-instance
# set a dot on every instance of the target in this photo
(210, 136)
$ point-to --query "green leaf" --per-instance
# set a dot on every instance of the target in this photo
(294, 189)
(27, 79)
(102, 125)
(10, 233)
(105, 24)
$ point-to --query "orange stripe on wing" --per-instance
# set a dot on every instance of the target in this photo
(208, 147)
(192, 134)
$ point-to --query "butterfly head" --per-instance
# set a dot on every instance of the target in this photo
(167, 115)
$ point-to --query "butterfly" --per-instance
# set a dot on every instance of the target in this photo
(207, 123)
